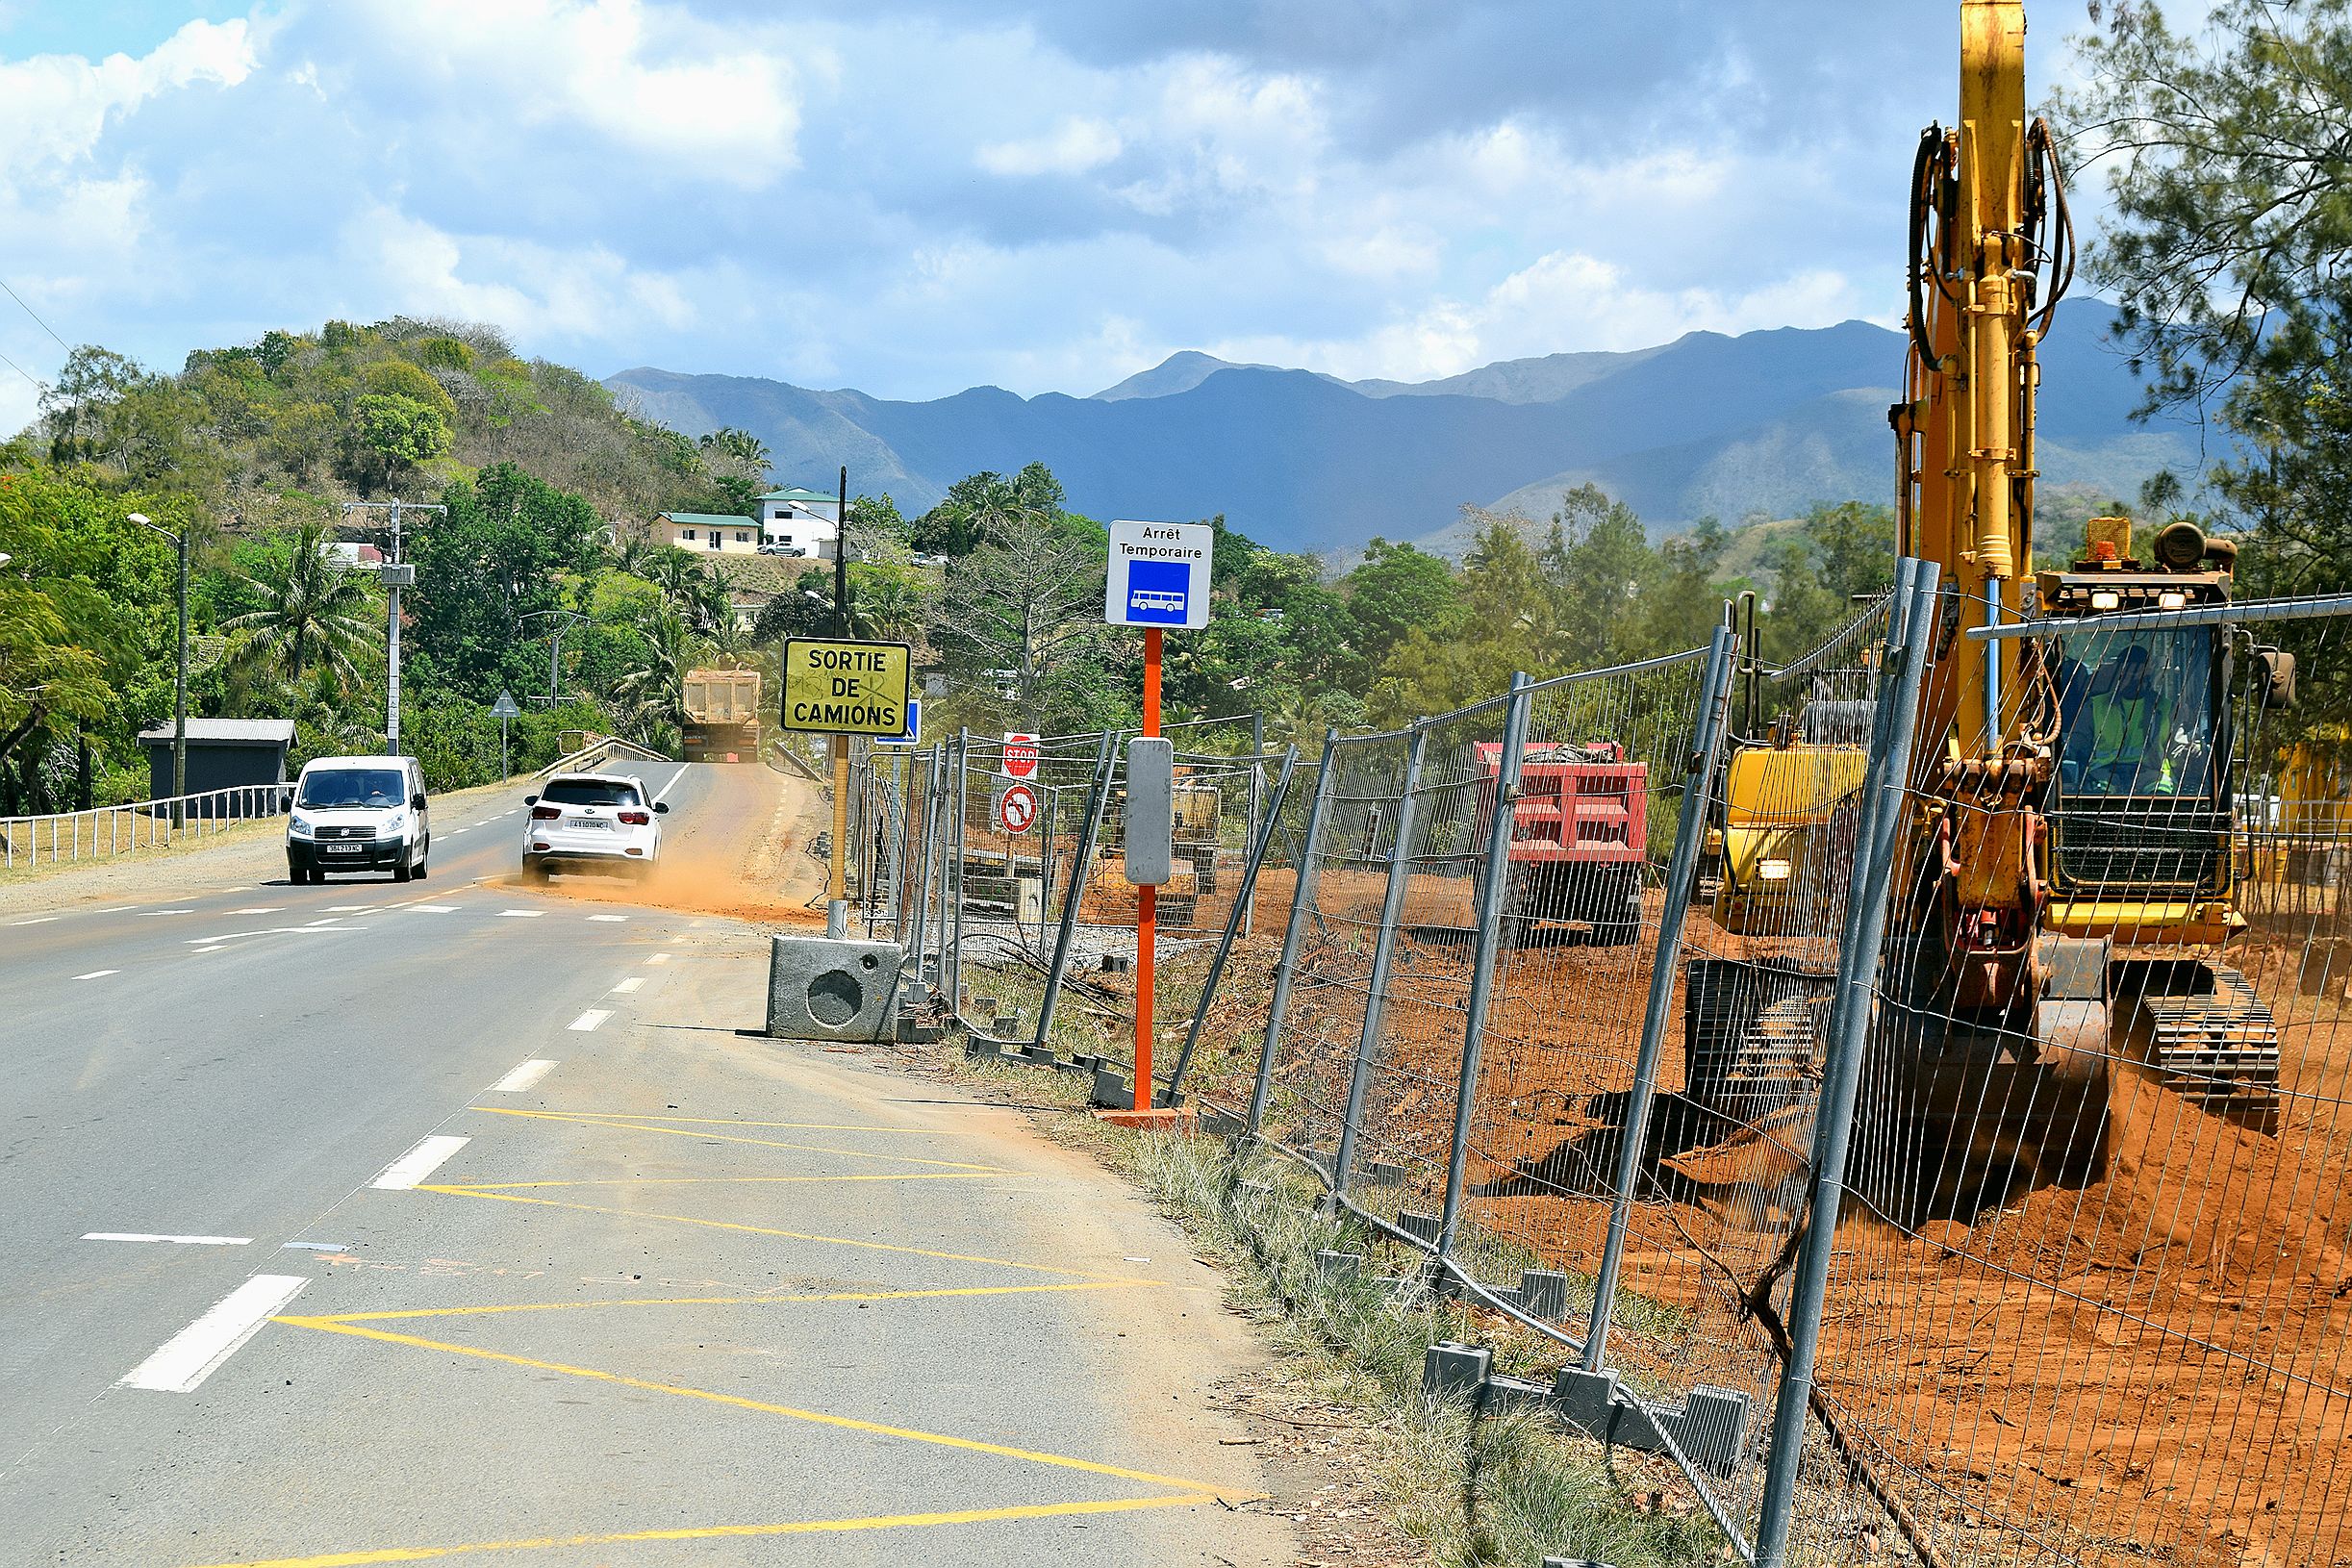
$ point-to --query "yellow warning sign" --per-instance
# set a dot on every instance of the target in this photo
(836, 687)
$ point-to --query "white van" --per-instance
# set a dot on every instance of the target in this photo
(358, 813)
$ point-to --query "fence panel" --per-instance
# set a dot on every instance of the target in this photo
(2088, 1301)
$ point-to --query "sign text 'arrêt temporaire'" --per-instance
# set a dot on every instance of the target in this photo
(833, 686)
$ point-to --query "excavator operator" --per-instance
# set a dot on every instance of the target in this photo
(2121, 736)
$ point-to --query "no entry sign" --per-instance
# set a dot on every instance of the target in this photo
(1020, 755)
(1016, 808)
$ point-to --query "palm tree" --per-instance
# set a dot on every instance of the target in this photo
(677, 573)
(314, 614)
(886, 606)
(652, 696)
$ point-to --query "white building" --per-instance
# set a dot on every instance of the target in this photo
(802, 519)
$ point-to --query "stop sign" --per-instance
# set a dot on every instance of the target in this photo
(1020, 755)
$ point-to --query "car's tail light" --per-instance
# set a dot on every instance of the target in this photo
(637, 819)
(633, 849)
(544, 813)
(539, 845)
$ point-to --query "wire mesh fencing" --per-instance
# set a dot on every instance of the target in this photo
(2087, 1303)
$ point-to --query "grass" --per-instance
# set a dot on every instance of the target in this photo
(1497, 1489)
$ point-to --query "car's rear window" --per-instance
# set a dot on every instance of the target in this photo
(589, 791)
(352, 787)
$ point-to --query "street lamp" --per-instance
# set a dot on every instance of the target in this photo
(179, 694)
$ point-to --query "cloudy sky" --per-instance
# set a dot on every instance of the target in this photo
(912, 196)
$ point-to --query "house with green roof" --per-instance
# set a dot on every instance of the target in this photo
(725, 533)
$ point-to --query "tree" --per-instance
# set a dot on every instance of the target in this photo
(2230, 168)
(313, 614)
(388, 436)
(1395, 589)
(1021, 616)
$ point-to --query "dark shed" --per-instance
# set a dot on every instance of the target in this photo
(223, 753)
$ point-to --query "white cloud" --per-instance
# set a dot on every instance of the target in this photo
(1074, 146)
(54, 107)
(652, 78)
(532, 290)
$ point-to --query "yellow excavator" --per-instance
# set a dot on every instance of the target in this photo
(2067, 879)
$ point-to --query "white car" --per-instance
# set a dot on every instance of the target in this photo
(592, 822)
(358, 813)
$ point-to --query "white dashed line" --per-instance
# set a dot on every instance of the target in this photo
(434, 909)
(259, 909)
(521, 914)
(182, 1241)
(347, 909)
(167, 912)
(628, 985)
(418, 1163)
(116, 909)
(523, 1077)
(589, 1020)
(608, 916)
(197, 1352)
(659, 958)
(97, 975)
(37, 920)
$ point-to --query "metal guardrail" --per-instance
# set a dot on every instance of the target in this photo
(104, 832)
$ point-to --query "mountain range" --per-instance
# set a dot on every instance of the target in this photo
(1768, 421)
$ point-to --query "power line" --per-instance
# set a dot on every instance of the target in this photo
(36, 315)
(21, 371)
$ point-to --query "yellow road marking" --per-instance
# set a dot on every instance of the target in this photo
(722, 1301)
(720, 1533)
(689, 1181)
(758, 1230)
(846, 1423)
(801, 1127)
(719, 1137)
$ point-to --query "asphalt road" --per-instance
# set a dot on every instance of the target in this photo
(460, 1220)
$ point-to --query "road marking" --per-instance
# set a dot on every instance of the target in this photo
(167, 912)
(608, 916)
(435, 909)
(232, 936)
(1002, 1451)
(37, 920)
(659, 958)
(193, 953)
(731, 1533)
(672, 785)
(455, 831)
(587, 1021)
(116, 909)
(347, 909)
(628, 985)
(622, 1119)
(313, 1246)
(183, 1241)
(197, 1352)
(523, 1077)
(259, 909)
(405, 1173)
(830, 1298)
(521, 914)
(97, 975)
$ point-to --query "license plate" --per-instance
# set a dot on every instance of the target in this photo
(344, 848)
(588, 822)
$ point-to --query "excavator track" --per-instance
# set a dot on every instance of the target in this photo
(2219, 1050)
(1752, 1033)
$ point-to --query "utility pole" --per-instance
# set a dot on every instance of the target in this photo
(837, 905)
(555, 653)
(179, 689)
(395, 576)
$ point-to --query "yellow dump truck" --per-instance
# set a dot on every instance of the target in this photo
(722, 715)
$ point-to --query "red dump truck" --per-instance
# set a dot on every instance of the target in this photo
(722, 715)
(1579, 838)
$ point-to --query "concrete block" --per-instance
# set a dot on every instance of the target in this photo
(1111, 1088)
(1339, 1265)
(1452, 1371)
(1543, 1294)
(1007, 1026)
(1573, 1562)
(822, 989)
(1042, 1054)
(1421, 1226)
(1117, 963)
(1711, 1427)
(1383, 1174)
(920, 1031)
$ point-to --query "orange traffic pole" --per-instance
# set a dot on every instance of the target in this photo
(1147, 898)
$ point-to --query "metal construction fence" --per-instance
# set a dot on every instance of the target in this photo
(106, 831)
(1938, 1155)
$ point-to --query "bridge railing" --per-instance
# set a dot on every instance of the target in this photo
(107, 831)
